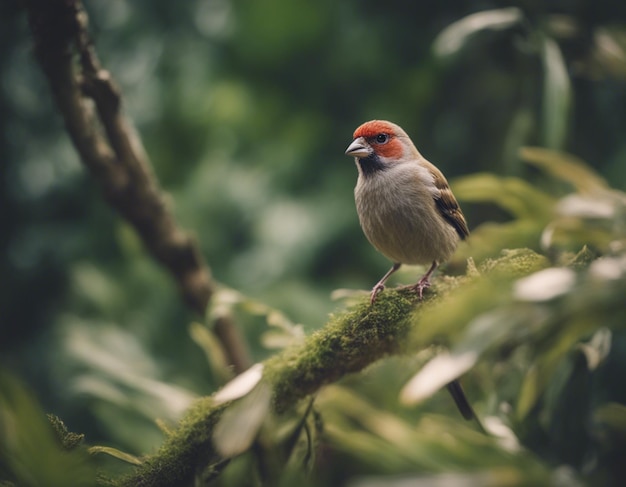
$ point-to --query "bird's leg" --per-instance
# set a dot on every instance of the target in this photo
(424, 282)
(380, 285)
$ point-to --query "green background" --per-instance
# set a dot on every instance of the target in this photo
(245, 109)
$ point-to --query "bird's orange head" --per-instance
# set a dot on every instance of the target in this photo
(383, 141)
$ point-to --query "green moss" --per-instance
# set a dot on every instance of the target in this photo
(68, 440)
(188, 448)
(348, 343)
(515, 263)
(582, 259)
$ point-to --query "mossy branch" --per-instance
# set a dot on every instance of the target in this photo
(348, 343)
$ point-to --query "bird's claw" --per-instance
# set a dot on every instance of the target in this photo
(419, 287)
(375, 291)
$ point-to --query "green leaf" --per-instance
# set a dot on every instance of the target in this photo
(30, 452)
(453, 38)
(241, 421)
(557, 94)
(241, 385)
(114, 452)
(613, 417)
(565, 167)
(518, 197)
(212, 349)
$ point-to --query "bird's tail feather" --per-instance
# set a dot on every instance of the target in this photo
(465, 408)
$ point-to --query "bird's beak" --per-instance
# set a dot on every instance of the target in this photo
(359, 148)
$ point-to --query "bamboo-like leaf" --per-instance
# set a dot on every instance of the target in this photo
(212, 349)
(565, 167)
(556, 95)
(114, 452)
(240, 423)
(545, 284)
(456, 35)
(597, 349)
(441, 370)
(514, 195)
(485, 331)
(506, 437)
(529, 392)
(241, 385)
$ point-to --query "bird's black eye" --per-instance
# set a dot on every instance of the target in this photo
(382, 138)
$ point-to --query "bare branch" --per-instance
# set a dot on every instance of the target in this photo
(109, 147)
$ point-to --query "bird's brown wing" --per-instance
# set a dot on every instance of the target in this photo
(447, 204)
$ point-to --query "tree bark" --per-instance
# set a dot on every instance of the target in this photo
(109, 147)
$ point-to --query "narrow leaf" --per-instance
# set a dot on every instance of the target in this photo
(436, 374)
(240, 385)
(114, 452)
(241, 422)
(556, 95)
(565, 167)
(453, 37)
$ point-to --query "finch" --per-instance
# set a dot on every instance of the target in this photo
(406, 210)
(405, 206)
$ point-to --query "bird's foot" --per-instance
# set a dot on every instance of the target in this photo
(418, 288)
(375, 291)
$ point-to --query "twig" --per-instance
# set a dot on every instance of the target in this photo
(109, 147)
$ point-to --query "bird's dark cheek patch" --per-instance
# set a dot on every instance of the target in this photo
(371, 165)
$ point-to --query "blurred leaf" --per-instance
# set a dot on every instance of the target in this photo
(613, 417)
(556, 95)
(506, 436)
(241, 385)
(213, 351)
(480, 479)
(293, 440)
(30, 453)
(518, 197)
(391, 444)
(550, 357)
(597, 349)
(222, 303)
(440, 371)
(115, 453)
(545, 284)
(489, 239)
(284, 332)
(488, 294)
(456, 35)
(241, 421)
(565, 167)
(484, 332)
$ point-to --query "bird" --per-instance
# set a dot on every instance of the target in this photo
(406, 210)
(405, 205)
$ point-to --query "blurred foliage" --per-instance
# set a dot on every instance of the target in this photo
(245, 109)
(31, 454)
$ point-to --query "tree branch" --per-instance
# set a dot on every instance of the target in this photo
(348, 343)
(90, 103)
